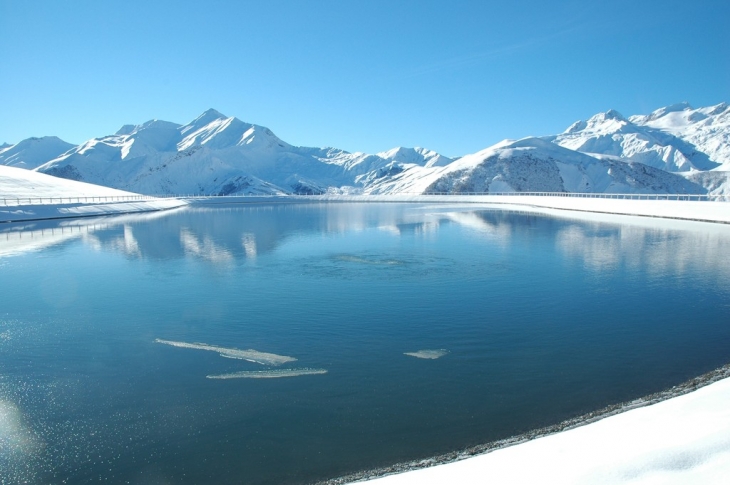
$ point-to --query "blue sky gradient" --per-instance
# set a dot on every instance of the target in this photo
(454, 77)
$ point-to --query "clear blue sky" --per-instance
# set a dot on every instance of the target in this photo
(367, 75)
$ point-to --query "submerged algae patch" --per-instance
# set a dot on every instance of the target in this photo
(352, 258)
(250, 355)
(269, 374)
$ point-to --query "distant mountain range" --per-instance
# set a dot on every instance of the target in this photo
(676, 149)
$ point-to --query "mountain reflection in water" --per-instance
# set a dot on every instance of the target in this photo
(244, 232)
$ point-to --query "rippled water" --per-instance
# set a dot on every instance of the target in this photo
(291, 343)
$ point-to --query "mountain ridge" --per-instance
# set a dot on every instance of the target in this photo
(217, 154)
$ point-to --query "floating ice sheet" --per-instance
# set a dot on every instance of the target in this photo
(428, 354)
(250, 355)
(269, 374)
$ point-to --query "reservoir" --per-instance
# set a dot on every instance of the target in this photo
(292, 343)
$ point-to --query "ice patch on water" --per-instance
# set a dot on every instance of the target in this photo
(250, 355)
(269, 374)
(428, 354)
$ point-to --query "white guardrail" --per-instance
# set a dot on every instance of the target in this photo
(698, 197)
(14, 201)
(19, 201)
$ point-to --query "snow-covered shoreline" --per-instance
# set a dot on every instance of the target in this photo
(691, 210)
(35, 212)
(694, 210)
(681, 435)
(29, 196)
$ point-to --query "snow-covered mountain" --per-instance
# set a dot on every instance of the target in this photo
(535, 165)
(32, 152)
(610, 133)
(418, 156)
(716, 182)
(213, 154)
(677, 138)
(706, 129)
(217, 154)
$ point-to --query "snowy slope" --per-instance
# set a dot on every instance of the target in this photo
(33, 152)
(20, 183)
(610, 133)
(707, 129)
(26, 195)
(716, 182)
(534, 165)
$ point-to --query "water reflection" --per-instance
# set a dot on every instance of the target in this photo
(220, 236)
(204, 248)
(18, 446)
(24, 237)
(606, 243)
(656, 250)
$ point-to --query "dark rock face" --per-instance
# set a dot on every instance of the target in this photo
(524, 173)
(66, 172)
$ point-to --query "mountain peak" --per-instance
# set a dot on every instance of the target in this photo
(612, 114)
(718, 109)
(576, 127)
(126, 130)
(683, 106)
(600, 121)
(417, 155)
(41, 141)
(204, 119)
(212, 113)
(32, 152)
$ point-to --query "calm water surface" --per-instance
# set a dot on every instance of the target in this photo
(540, 319)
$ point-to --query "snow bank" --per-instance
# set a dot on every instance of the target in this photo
(694, 210)
(18, 213)
(27, 195)
(19, 183)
